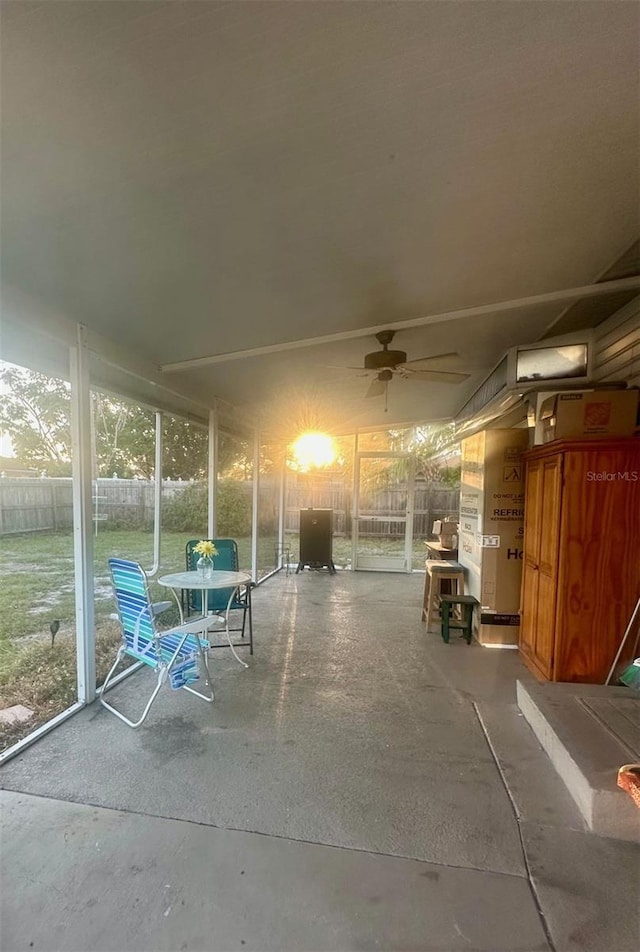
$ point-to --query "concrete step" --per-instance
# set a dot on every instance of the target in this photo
(589, 731)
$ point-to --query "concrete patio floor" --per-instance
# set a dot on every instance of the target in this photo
(360, 786)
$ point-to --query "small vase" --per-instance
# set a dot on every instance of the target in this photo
(204, 567)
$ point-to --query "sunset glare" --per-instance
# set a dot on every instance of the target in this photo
(313, 450)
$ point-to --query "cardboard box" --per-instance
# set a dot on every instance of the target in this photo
(491, 530)
(589, 414)
(448, 534)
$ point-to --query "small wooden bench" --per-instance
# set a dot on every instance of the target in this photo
(467, 604)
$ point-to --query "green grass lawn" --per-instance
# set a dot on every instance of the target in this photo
(38, 574)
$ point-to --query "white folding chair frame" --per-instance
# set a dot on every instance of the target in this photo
(196, 627)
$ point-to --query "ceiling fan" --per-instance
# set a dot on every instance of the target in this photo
(385, 364)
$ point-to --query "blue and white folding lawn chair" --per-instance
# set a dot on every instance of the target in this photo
(174, 653)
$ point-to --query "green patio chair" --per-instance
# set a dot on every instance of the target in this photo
(174, 654)
(227, 561)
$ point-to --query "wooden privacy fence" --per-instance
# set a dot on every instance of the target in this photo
(36, 505)
(46, 504)
(41, 504)
(31, 505)
(431, 502)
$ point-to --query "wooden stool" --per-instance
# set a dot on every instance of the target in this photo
(467, 603)
(437, 571)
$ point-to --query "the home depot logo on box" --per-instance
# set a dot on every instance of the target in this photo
(597, 414)
(590, 413)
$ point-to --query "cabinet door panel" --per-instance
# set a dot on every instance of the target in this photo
(538, 597)
(547, 575)
(531, 553)
(551, 506)
(533, 511)
(528, 608)
(545, 624)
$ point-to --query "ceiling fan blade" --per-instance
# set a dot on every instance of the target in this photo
(348, 370)
(432, 363)
(376, 388)
(351, 371)
(435, 376)
(343, 367)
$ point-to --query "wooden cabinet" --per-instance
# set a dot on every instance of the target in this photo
(581, 555)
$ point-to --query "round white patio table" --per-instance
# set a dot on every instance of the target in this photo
(217, 579)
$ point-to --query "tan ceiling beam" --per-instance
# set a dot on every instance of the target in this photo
(479, 310)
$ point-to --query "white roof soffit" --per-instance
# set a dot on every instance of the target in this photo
(36, 336)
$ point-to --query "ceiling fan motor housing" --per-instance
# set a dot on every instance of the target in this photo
(384, 359)
(381, 359)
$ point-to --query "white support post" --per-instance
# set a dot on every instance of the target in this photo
(157, 498)
(408, 529)
(283, 498)
(83, 518)
(212, 475)
(254, 513)
(355, 501)
(355, 506)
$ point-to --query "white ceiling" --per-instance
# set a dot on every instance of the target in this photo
(197, 178)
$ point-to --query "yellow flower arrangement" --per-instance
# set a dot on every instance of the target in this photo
(206, 548)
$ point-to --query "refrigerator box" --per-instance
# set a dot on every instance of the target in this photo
(589, 414)
(491, 530)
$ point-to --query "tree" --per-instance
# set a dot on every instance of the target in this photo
(185, 449)
(235, 458)
(428, 445)
(36, 413)
(123, 438)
